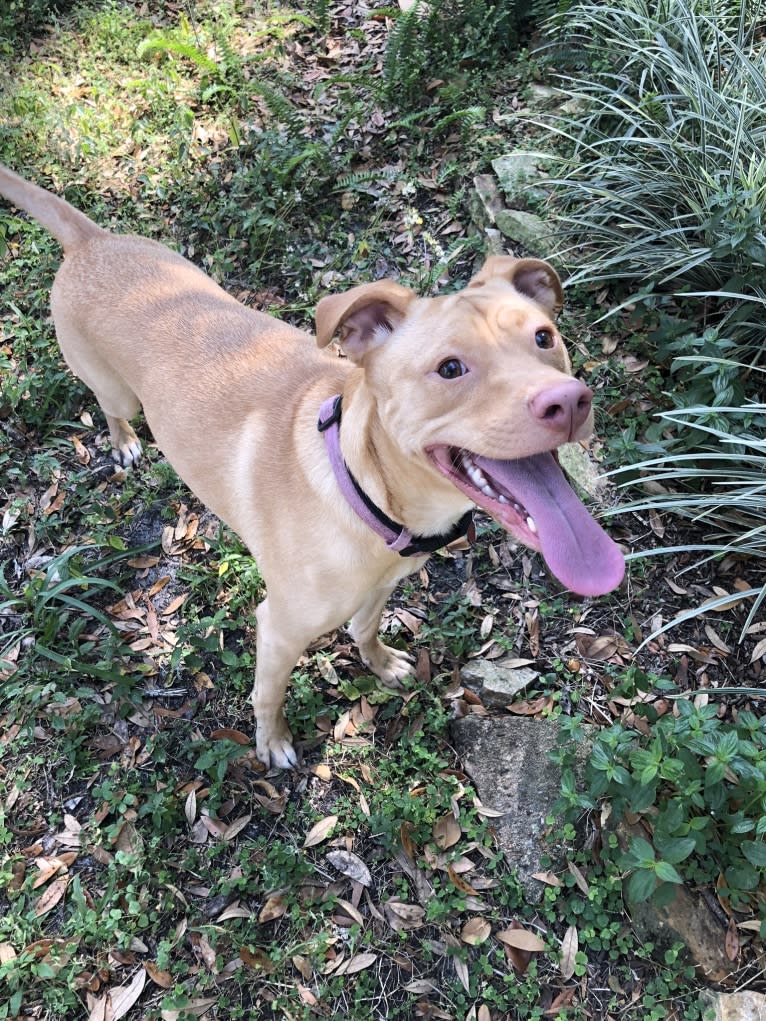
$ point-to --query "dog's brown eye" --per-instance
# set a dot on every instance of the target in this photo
(544, 338)
(451, 368)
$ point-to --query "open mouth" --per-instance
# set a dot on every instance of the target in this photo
(531, 498)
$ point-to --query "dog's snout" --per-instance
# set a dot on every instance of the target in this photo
(564, 407)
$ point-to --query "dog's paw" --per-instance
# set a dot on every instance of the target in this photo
(274, 747)
(390, 665)
(128, 453)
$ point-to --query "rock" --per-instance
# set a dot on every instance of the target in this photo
(687, 919)
(485, 200)
(516, 172)
(527, 229)
(507, 759)
(495, 681)
(744, 1006)
(576, 462)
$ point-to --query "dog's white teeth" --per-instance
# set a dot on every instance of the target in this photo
(531, 525)
(489, 491)
(477, 476)
(502, 499)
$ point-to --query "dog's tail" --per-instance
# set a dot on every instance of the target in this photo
(68, 225)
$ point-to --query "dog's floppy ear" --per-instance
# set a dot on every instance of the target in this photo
(362, 315)
(533, 278)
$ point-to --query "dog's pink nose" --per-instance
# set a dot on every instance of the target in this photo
(564, 407)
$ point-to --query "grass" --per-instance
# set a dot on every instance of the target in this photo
(145, 853)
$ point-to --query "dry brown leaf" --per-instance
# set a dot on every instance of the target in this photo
(322, 771)
(124, 997)
(461, 970)
(561, 1001)
(320, 831)
(306, 995)
(274, 907)
(100, 1008)
(570, 944)
(161, 978)
(351, 865)
(459, 883)
(731, 940)
(357, 963)
(235, 828)
(190, 807)
(303, 965)
(522, 939)
(256, 959)
(579, 878)
(228, 734)
(475, 931)
(402, 916)
(446, 831)
(196, 1007)
(7, 953)
(234, 910)
(547, 877)
(51, 896)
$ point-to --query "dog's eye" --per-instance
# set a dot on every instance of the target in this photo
(451, 369)
(544, 338)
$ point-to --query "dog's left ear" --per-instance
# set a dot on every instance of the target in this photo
(533, 278)
(362, 316)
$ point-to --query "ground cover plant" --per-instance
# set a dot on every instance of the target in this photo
(149, 867)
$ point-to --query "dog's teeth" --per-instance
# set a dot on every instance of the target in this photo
(531, 525)
(502, 499)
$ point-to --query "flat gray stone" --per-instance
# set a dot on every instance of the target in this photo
(507, 759)
(527, 229)
(577, 463)
(495, 681)
(744, 1006)
(517, 172)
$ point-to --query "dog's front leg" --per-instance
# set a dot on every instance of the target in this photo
(280, 641)
(390, 665)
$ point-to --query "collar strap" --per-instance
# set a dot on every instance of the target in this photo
(396, 536)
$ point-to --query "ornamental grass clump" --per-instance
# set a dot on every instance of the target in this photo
(665, 189)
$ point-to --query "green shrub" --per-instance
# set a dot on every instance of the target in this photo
(699, 785)
(665, 191)
(447, 38)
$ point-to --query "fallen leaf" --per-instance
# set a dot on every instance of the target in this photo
(402, 916)
(357, 963)
(475, 931)
(731, 940)
(567, 957)
(320, 831)
(351, 865)
(446, 831)
(522, 939)
(256, 959)
(51, 896)
(124, 997)
(160, 978)
(461, 970)
(274, 908)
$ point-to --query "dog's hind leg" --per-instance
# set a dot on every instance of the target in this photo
(115, 397)
(390, 665)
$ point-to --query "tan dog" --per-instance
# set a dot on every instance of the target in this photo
(441, 398)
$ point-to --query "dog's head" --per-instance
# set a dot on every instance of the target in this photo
(478, 386)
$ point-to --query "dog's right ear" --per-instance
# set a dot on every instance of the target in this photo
(363, 316)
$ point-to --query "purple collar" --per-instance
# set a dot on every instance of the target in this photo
(396, 536)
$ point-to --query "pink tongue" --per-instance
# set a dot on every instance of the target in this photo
(576, 548)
